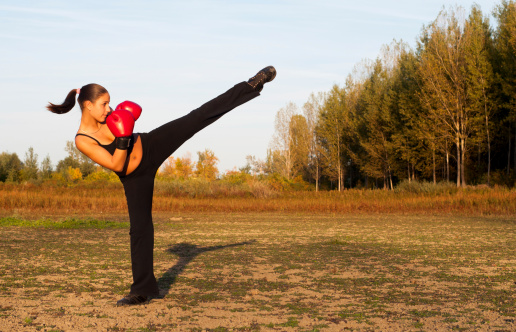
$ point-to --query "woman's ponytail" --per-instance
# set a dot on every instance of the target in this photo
(90, 92)
(66, 106)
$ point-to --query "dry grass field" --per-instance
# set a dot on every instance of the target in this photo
(30, 201)
(330, 263)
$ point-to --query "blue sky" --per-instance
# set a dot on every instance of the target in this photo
(172, 56)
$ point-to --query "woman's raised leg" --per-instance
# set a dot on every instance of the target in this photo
(169, 137)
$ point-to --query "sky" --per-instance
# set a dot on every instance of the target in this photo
(172, 56)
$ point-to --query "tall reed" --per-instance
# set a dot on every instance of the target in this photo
(92, 199)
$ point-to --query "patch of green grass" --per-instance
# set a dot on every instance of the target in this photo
(2, 308)
(298, 308)
(70, 223)
(424, 313)
(28, 321)
(419, 325)
(218, 329)
(291, 322)
(318, 327)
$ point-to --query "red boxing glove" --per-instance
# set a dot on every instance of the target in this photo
(132, 107)
(121, 123)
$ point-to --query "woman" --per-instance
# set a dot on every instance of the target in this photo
(136, 158)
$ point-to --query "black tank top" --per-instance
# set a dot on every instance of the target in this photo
(111, 147)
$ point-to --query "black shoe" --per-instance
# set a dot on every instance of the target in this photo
(265, 75)
(133, 299)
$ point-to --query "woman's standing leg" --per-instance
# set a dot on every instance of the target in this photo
(139, 193)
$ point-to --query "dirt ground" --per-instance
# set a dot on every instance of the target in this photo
(267, 272)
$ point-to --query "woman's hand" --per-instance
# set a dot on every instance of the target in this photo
(121, 124)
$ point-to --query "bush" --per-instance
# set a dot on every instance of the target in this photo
(501, 178)
(102, 175)
(425, 187)
(215, 189)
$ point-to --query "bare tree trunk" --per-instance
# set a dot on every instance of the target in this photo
(317, 176)
(457, 142)
(339, 174)
(488, 152)
(509, 154)
(351, 174)
(433, 160)
(339, 170)
(342, 176)
(479, 159)
(289, 163)
(463, 164)
(408, 171)
(443, 176)
(447, 163)
(514, 154)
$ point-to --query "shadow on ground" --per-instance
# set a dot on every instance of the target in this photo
(187, 252)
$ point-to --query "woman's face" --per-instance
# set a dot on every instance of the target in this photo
(100, 108)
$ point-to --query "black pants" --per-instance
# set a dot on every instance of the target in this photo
(157, 146)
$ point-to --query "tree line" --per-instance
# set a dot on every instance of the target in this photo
(76, 167)
(443, 111)
(73, 167)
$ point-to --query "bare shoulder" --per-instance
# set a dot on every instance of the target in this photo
(83, 139)
(85, 143)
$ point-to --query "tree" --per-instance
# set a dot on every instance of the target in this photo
(184, 167)
(72, 160)
(444, 82)
(75, 159)
(457, 77)
(330, 131)
(311, 111)
(408, 114)
(168, 168)
(480, 78)
(46, 168)
(354, 89)
(73, 174)
(376, 125)
(299, 144)
(30, 168)
(281, 158)
(275, 162)
(254, 166)
(505, 69)
(180, 168)
(10, 167)
(206, 167)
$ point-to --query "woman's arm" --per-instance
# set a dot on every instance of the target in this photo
(100, 155)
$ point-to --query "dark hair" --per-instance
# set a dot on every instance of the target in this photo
(89, 92)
